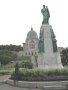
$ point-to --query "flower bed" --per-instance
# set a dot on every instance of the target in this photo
(41, 75)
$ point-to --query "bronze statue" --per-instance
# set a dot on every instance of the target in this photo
(46, 15)
(41, 42)
(54, 41)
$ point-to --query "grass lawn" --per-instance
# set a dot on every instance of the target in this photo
(8, 69)
(24, 58)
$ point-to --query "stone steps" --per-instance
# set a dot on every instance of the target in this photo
(55, 88)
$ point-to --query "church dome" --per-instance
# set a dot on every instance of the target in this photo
(32, 34)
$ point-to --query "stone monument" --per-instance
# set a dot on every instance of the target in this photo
(48, 55)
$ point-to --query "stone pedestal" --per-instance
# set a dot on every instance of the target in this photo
(33, 61)
(48, 58)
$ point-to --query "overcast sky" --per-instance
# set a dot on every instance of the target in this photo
(17, 17)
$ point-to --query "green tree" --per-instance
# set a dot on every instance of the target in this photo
(11, 47)
(6, 56)
(64, 57)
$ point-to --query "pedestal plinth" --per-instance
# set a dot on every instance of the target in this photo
(49, 58)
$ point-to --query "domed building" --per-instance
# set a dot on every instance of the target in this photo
(30, 47)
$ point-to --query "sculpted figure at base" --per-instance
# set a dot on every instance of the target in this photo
(46, 15)
(54, 41)
(41, 42)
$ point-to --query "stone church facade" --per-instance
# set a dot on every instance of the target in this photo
(30, 47)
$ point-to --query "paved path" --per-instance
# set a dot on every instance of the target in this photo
(4, 77)
(8, 87)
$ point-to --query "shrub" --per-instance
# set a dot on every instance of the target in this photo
(26, 64)
(42, 74)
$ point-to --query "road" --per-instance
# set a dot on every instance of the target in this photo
(8, 87)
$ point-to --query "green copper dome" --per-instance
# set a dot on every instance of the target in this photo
(32, 34)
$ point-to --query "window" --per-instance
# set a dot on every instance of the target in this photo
(32, 44)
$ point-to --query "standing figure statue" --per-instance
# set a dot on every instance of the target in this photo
(46, 15)
(54, 41)
(41, 42)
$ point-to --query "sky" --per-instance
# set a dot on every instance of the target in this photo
(17, 17)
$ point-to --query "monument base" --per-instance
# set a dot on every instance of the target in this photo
(52, 61)
(48, 55)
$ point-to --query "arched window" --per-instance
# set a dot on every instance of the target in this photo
(32, 44)
(32, 53)
(35, 53)
(26, 54)
(29, 53)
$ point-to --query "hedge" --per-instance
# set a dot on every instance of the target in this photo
(41, 74)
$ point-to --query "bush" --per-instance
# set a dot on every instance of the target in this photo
(27, 64)
(42, 74)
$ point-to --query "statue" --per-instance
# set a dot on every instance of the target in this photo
(53, 41)
(17, 71)
(41, 42)
(46, 15)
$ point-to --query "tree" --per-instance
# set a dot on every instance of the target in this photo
(6, 56)
(64, 57)
(11, 47)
